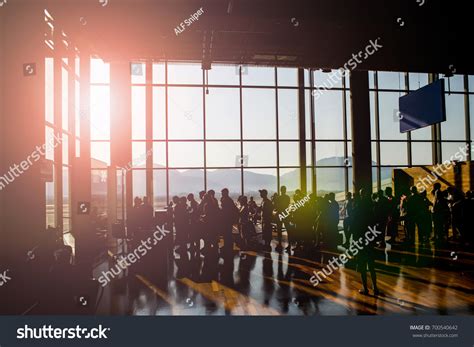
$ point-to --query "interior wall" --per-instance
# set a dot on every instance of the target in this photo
(23, 200)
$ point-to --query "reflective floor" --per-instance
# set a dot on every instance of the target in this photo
(413, 281)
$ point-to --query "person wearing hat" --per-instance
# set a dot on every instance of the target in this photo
(267, 211)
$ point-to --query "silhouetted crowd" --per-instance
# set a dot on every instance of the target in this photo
(314, 223)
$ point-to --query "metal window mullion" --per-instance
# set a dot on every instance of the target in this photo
(377, 130)
(409, 143)
(277, 116)
(166, 135)
(467, 112)
(204, 126)
(149, 131)
(344, 129)
(313, 134)
(241, 133)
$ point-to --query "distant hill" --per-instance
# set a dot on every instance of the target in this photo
(328, 179)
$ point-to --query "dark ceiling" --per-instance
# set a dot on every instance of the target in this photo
(416, 35)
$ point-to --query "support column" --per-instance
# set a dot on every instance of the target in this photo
(361, 145)
(302, 130)
(121, 124)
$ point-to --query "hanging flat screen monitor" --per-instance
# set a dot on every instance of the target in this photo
(423, 107)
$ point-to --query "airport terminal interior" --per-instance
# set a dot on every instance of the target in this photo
(234, 157)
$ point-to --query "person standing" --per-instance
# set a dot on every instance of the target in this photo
(267, 215)
(347, 212)
(282, 203)
(229, 216)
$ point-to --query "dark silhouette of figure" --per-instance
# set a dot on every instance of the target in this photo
(333, 221)
(322, 223)
(381, 210)
(181, 223)
(253, 210)
(414, 204)
(267, 215)
(134, 223)
(425, 223)
(147, 214)
(440, 214)
(194, 235)
(244, 224)
(348, 215)
(282, 203)
(364, 210)
(211, 222)
(229, 217)
(393, 216)
(456, 202)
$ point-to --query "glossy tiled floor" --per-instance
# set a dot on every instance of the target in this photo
(414, 281)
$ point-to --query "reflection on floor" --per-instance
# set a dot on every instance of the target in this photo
(414, 281)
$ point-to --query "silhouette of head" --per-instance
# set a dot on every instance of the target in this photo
(225, 192)
(413, 190)
(283, 190)
(436, 186)
(211, 193)
(388, 191)
(348, 195)
(201, 194)
(263, 193)
(190, 197)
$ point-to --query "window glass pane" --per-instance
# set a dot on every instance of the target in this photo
(159, 188)
(65, 99)
(471, 114)
(454, 127)
(185, 113)
(349, 115)
(100, 154)
(330, 180)
(393, 153)
(99, 191)
(49, 90)
(391, 80)
(288, 114)
(183, 73)
(373, 126)
(186, 154)
(329, 153)
(453, 151)
(225, 178)
(258, 76)
(422, 153)
(159, 113)
(389, 121)
(50, 208)
(66, 201)
(259, 113)
(455, 83)
(100, 112)
(65, 145)
(138, 113)
(287, 77)
(223, 113)
(289, 154)
(329, 115)
(139, 182)
(291, 179)
(183, 182)
(260, 153)
(308, 123)
(327, 80)
(417, 80)
(139, 155)
(50, 143)
(224, 75)
(256, 179)
(159, 154)
(138, 72)
(100, 71)
(223, 154)
(159, 73)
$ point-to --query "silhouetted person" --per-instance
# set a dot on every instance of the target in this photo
(253, 210)
(229, 217)
(333, 221)
(194, 235)
(282, 202)
(456, 202)
(393, 215)
(365, 258)
(267, 215)
(135, 223)
(440, 214)
(211, 222)
(244, 223)
(181, 223)
(425, 223)
(348, 214)
(414, 205)
(381, 211)
(147, 214)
